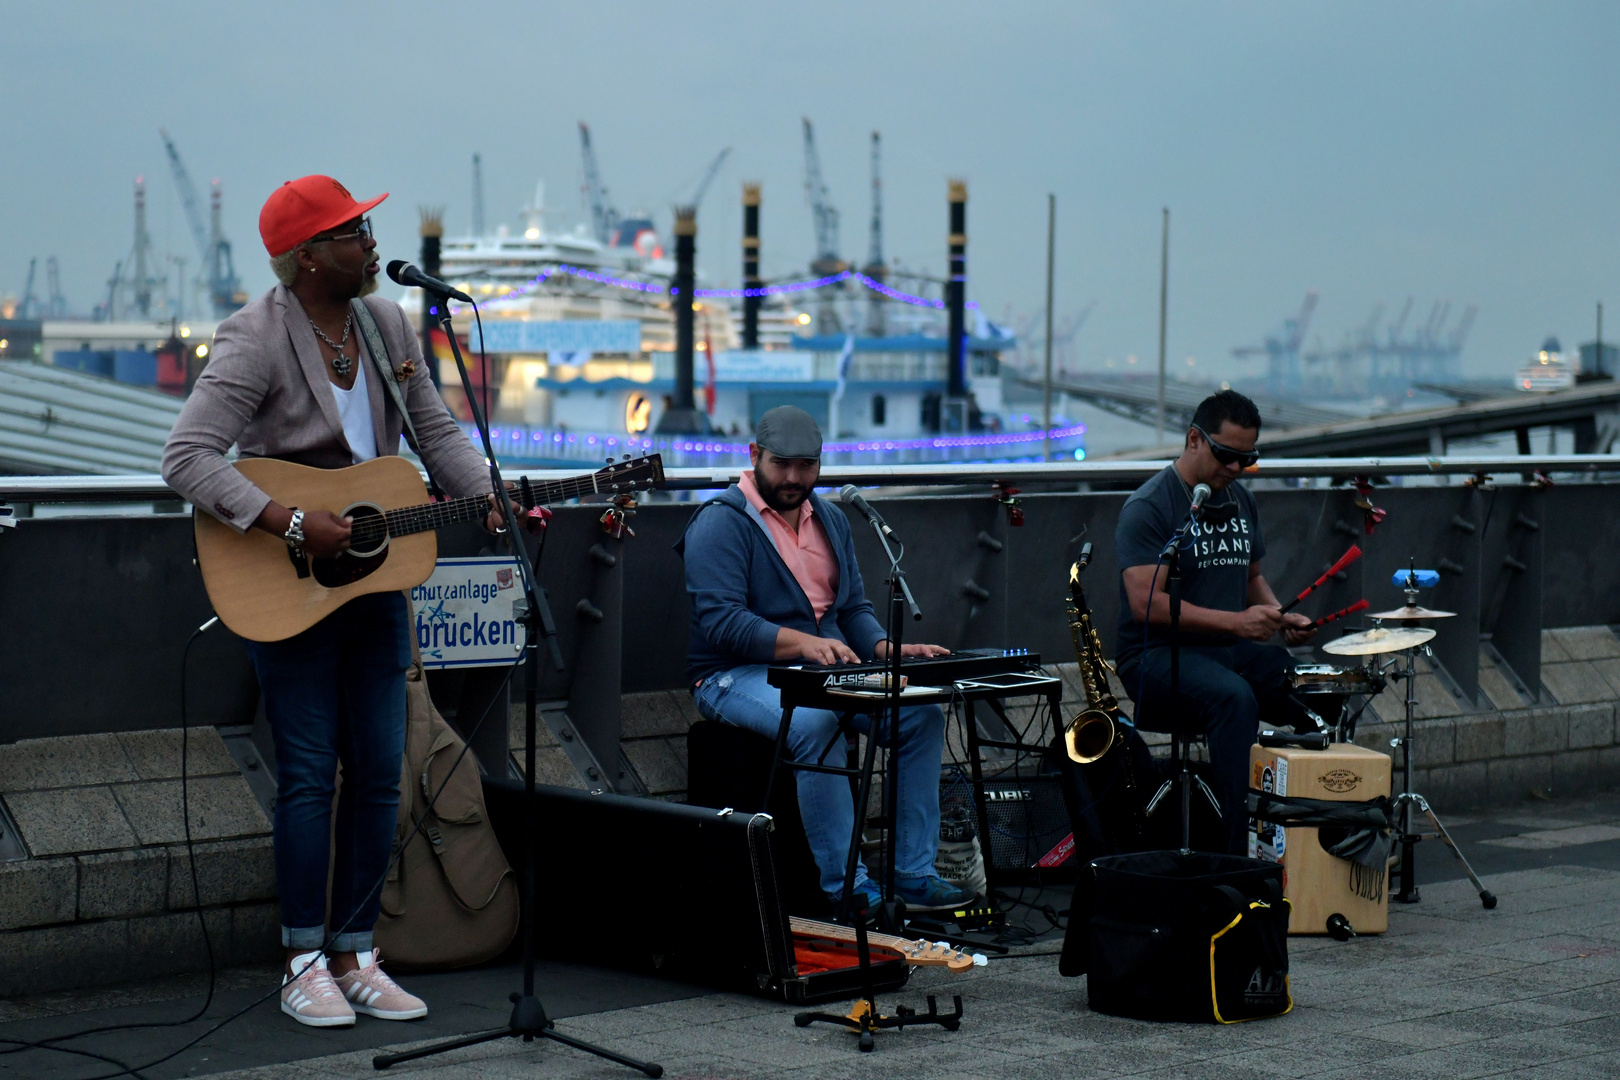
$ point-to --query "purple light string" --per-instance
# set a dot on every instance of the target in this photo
(525, 436)
(731, 294)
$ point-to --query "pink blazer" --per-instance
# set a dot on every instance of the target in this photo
(266, 390)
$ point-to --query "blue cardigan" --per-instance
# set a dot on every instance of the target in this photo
(742, 592)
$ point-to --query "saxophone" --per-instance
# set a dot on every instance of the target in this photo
(1094, 730)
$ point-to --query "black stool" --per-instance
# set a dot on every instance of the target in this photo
(732, 766)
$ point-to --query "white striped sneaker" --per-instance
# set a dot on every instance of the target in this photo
(313, 998)
(375, 994)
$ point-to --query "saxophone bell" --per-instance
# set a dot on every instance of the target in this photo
(1089, 736)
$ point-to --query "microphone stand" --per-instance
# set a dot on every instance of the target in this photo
(867, 1021)
(1172, 559)
(528, 1020)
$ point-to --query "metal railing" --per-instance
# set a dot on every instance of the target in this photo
(149, 487)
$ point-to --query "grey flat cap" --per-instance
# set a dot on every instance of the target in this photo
(789, 432)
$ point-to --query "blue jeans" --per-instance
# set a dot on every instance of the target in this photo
(743, 698)
(1224, 693)
(336, 693)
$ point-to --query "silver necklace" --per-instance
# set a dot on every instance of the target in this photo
(340, 363)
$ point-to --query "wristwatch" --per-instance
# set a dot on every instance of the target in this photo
(295, 531)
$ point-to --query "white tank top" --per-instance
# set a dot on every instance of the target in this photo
(354, 409)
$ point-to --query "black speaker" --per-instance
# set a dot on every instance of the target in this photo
(1027, 822)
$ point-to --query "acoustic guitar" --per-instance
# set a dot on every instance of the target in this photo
(264, 593)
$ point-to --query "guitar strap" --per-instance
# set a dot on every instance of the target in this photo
(390, 380)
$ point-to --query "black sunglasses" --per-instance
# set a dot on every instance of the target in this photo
(1225, 454)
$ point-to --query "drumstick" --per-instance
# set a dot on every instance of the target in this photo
(1359, 605)
(1344, 560)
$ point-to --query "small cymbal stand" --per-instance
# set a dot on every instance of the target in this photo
(1409, 803)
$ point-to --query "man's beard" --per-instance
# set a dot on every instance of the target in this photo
(369, 285)
(782, 497)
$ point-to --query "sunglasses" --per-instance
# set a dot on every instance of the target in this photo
(1225, 454)
(362, 233)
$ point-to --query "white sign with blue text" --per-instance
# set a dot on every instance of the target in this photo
(464, 613)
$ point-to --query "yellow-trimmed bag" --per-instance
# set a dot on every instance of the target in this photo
(1189, 937)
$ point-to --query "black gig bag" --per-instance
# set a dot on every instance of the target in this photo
(1192, 938)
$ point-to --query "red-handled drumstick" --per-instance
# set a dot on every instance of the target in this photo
(1344, 560)
(1359, 605)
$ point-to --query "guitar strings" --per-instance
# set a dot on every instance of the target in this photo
(414, 519)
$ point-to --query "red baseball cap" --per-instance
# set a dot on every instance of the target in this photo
(299, 209)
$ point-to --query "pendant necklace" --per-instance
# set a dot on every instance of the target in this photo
(340, 363)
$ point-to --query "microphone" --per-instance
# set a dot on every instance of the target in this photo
(403, 273)
(1200, 494)
(851, 496)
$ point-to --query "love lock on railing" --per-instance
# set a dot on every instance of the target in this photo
(615, 521)
(1371, 515)
(1007, 496)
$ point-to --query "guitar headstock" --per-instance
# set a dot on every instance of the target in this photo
(923, 952)
(631, 474)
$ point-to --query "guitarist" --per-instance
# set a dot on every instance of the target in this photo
(290, 377)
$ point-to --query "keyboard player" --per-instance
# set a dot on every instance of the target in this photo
(772, 578)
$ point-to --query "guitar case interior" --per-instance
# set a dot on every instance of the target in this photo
(688, 892)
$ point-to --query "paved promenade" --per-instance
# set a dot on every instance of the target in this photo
(1452, 991)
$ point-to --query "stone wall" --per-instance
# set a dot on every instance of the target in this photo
(98, 887)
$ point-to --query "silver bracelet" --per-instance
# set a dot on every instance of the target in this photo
(295, 530)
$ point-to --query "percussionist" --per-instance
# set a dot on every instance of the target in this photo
(1231, 674)
(772, 577)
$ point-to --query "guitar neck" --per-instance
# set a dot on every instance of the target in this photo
(415, 519)
(846, 934)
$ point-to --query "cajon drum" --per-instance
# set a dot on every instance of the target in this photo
(1317, 884)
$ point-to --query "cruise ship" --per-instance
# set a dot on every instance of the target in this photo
(579, 336)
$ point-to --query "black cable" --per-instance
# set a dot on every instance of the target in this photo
(398, 853)
(18, 1046)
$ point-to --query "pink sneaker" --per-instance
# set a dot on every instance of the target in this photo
(372, 992)
(312, 998)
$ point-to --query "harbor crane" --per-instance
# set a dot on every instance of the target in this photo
(708, 178)
(478, 196)
(604, 218)
(135, 283)
(56, 303)
(825, 215)
(1281, 350)
(225, 291)
(28, 307)
(874, 268)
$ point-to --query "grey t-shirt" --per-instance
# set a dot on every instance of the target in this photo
(1215, 557)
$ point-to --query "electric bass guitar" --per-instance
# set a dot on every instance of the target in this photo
(918, 953)
(264, 592)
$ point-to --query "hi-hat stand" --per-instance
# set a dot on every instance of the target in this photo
(1409, 803)
(528, 1020)
(864, 1018)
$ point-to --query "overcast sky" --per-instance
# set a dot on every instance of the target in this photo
(1369, 150)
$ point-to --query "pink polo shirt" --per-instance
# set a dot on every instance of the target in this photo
(806, 550)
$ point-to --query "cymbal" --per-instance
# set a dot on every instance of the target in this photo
(1381, 640)
(1412, 613)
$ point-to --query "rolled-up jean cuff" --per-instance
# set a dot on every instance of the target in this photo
(303, 937)
(356, 942)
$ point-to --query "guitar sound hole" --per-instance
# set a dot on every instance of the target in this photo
(362, 560)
